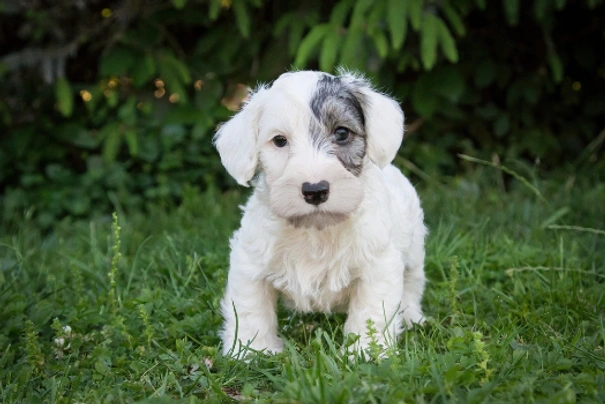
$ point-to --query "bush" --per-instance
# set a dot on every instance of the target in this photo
(115, 103)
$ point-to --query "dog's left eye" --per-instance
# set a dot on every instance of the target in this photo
(341, 135)
(280, 141)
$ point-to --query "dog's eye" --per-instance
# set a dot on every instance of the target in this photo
(341, 135)
(280, 141)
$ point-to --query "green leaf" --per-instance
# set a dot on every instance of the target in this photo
(116, 62)
(64, 96)
(179, 4)
(183, 114)
(174, 73)
(283, 23)
(452, 112)
(214, 9)
(112, 98)
(397, 22)
(540, 8)
(296, 32)
(350, 55)
(448, 82)
(428, 41)
(454, 19)
(340, 12)
(559, 4)
(128, 111)
(143, 70)
(242, 17)
(448, 45)
(359, 12)
(111, 142)
(532, 91)
(481, 4)
(375, 19)
(132, 141)
(556, 66)
(149, 148)
(78, 135)
(511, 10)
(404, 61)
(415, 13)
(329, 50)
(181, 69)
(173, 134)
(424, 101)
(78, 204)
(309, 44)
(382, 45)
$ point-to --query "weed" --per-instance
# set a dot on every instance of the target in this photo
(113, 271)
(453, 286)
(483, 356)
(146, 323)
(33, 349)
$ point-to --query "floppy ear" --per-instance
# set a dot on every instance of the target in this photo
(384, 126)
(236, 139)
(383, 121)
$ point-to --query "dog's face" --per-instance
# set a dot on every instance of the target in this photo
(312, 134)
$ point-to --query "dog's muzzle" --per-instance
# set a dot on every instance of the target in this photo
(316, 193)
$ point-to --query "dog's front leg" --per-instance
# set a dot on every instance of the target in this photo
(376, 297)
(249, 310)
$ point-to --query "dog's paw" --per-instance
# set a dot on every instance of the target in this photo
(412, 316)
(269, 346)
(276, 348)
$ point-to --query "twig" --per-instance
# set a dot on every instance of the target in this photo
(416, 170)
(413, 127)
(510, 271)
(596, 142)
(577, 228)
(506, 170)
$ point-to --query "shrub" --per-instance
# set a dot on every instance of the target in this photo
(115, 103)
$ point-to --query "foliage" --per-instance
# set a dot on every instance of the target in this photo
(127, 309)
(109, 105)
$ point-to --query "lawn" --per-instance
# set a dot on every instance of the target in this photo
(127, 310)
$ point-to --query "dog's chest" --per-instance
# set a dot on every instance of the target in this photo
(314, 271)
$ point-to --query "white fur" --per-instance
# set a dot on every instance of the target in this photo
(362, 251)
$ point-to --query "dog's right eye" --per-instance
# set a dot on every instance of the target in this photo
(342, 135)
(280, 141)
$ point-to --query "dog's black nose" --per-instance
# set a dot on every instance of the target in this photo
(316, 193)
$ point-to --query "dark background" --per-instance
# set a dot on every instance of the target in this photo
(112, 105)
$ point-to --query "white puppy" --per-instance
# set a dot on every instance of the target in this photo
(331, 225)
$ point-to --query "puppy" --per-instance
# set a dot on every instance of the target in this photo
(331, 225)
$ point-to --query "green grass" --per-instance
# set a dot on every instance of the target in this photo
(516, 302)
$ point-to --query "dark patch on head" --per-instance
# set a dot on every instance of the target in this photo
(337, 104)
(331, 88)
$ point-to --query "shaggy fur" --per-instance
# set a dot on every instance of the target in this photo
(351, 239)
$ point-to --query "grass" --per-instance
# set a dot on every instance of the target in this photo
(127, 310)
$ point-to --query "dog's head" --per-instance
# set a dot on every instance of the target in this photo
(312, 135)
